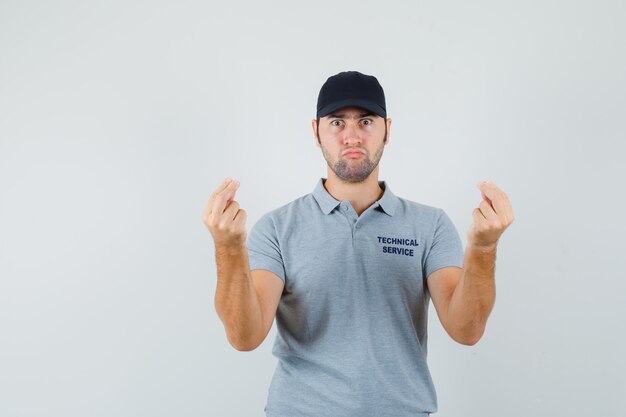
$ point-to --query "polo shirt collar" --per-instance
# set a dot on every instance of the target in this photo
(327, 202)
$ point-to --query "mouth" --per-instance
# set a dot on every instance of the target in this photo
(353, 153)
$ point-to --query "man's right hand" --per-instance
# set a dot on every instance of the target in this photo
(223, 217)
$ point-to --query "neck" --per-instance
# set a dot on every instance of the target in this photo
(361, 195)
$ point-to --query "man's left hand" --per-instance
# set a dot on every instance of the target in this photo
(491, 217)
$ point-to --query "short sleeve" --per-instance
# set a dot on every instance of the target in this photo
(446, 248)
(263, 247)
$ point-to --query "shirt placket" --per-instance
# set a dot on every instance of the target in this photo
(355, 222)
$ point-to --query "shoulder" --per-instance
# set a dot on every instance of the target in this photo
(416, 210)
(287, 212)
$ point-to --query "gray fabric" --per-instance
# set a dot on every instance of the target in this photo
(352, 318)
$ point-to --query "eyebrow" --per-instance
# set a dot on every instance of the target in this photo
(341, 116)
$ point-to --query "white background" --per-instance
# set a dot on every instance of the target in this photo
(118, 119)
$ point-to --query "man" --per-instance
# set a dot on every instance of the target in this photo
(348, 271)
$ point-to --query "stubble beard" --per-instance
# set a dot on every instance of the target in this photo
(354, 170)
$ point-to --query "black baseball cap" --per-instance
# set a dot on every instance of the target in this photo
(351, 88)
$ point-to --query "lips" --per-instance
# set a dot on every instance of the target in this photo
(353, 152)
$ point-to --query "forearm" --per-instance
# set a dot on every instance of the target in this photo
(236, 300)
(474, 296)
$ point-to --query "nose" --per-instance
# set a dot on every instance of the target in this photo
(351, 133)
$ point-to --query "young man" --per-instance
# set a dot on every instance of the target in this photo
(348, 271)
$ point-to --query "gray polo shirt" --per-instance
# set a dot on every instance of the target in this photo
(352, 318)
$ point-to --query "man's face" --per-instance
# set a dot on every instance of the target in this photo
(352, 129)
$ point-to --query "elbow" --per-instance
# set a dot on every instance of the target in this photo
(469, 339)
(243, 346)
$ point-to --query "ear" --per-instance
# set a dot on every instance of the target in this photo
(388, 130)
(314, 126)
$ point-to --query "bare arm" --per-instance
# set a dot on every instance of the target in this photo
(245, 301)
(236, 300)
(474, 296)
(465, 297)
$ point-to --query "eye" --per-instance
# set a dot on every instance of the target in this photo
(369, 122)
(333, 121)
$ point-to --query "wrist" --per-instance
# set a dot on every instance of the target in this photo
(230, 248)
(482, 248)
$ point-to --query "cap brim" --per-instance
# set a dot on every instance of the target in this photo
(365, 104)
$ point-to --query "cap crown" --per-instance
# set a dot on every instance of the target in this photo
(351, 88)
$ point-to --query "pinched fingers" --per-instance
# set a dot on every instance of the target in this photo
(240, 218)
(493, 215)
(487, 210)
(478, 216)
(231, 210)
(209, 206)
(220, 198)
(224, 218)
(498, 200)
